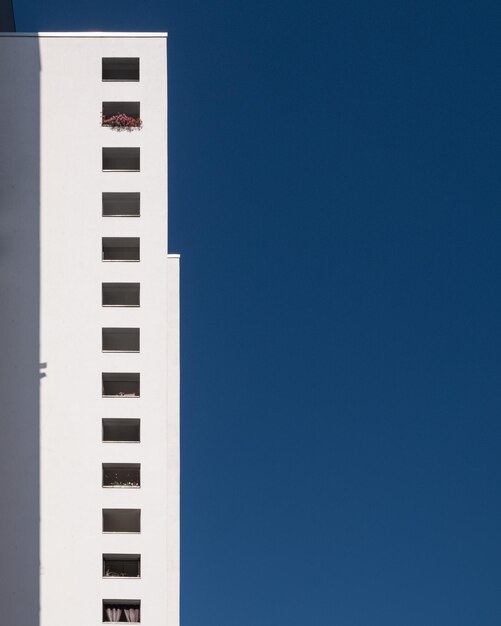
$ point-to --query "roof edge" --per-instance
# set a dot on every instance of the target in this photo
(97, 34)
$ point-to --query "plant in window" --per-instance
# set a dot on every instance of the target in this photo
(121, 478)
(121, 121)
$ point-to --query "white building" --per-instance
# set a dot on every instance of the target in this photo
(89, 334)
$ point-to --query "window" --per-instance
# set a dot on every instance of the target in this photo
(110, 111)
(120, 294)
(122, 475)
(120, 339)
(120, 248)
(118, 204)
(120, 385)
(121, 565)
(120, 68)
(122, 611)
(121, 159)
(121, 520)
(121, 430)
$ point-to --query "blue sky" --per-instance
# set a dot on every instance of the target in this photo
(334, 195)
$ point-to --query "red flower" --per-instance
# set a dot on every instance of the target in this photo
(120, 121)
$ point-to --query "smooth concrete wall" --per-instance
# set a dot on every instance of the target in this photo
(19, 329)
(71, 182)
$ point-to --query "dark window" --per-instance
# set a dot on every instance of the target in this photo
(122, 611)
(116, 204)
(121, 159)
(120, 68)
(121, 429)
(120, 385)
(121, 475)
(121, 520)
(122, 565)
(120, 339)
(120, 248)
(120, 294)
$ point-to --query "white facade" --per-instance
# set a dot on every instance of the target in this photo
(54, 266)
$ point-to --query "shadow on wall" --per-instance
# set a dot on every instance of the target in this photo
(20, 369)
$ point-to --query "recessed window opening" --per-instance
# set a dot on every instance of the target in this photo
(121, 520)
(120, 385)
(121, 159)
(120, 339)
(120, 294)
(120, 69)
(111, 109)
(122, 611)
(121, 430)
(121, 204)
(120, 248)
(121, 565)
(118, 475)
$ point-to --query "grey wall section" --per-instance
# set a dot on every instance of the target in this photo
(7, 22)
(19, 329)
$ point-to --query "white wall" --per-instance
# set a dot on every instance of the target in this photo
(71, 319)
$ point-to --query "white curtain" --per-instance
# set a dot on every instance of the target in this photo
(132, 615)
(113, 615)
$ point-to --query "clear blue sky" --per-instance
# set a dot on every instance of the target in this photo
(335, 195)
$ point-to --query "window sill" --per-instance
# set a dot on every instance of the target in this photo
(120, 351)
(118, 441)
(122, 578)
(121, 486)
(121, 397)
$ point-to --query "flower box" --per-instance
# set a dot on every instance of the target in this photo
(120, 121)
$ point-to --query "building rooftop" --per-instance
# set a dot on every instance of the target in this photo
(84, 34)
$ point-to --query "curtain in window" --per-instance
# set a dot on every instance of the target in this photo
(113, 615)
(132, 615)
